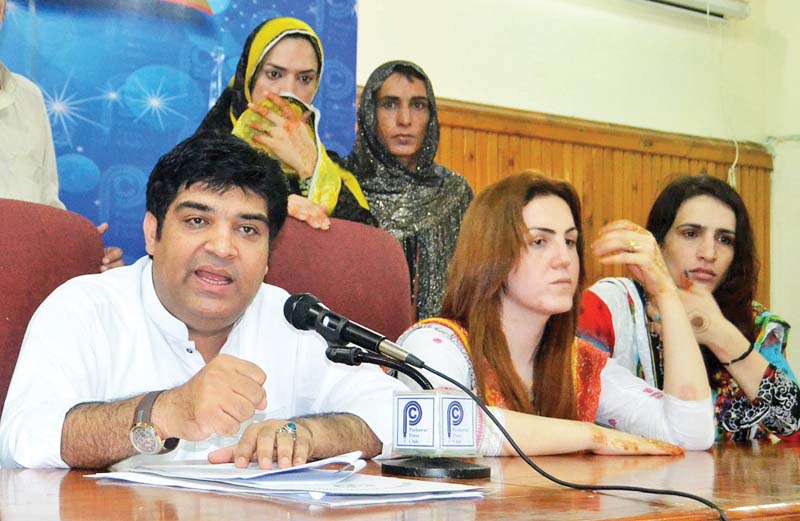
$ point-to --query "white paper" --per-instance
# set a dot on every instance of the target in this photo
(357, 490)
(306, 483)
(204, 470)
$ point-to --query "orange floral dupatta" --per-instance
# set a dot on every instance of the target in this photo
(587, 363)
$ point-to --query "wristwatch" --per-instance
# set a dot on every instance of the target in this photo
(144, 435)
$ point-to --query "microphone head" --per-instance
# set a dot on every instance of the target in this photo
(297, 310)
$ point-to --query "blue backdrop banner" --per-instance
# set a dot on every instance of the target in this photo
(126, 80)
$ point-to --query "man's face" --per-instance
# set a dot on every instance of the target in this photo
(211, 257)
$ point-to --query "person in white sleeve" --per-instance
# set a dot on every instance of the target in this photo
(186, 353)
(27, 156)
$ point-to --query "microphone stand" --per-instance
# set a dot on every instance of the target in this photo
(430, 467)
(357, 356)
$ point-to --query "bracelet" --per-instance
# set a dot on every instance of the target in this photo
(740, 357)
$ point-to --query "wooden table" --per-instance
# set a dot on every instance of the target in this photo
(749, 482)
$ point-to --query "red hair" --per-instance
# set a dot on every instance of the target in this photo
(493, 235)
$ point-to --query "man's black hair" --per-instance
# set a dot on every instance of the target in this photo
(218, 161)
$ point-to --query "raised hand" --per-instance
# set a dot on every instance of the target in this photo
(624, 242)
(288, 136)
(225, 393)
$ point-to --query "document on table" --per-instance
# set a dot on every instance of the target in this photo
(306, 483)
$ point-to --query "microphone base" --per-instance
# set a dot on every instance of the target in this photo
(450, 468)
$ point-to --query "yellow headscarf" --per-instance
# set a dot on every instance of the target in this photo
(327, 179)
(265, 39)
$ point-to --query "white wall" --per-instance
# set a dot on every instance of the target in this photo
(617, 61)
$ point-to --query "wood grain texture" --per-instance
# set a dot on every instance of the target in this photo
(748, 482)
(617, 170)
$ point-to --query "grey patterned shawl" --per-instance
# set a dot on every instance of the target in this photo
(422, 209)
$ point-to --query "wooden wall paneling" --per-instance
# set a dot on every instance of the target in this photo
(471, 153)
(482, 172)
(514, 153)
(444, 153)
(646, 194)
(753, 182)
(615, 195)
(593, 184)
(684, 166)
(547, 156)
(457, 150)
(676, 166)
(616, 170)
(577, 165)
(557, 160)
(504, 163)
(525, 162)
(536, 154)
(494, 173)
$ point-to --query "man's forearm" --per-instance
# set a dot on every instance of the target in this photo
(338, 433)
(96, 435)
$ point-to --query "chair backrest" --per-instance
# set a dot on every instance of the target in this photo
(356, 270)
(40, 248)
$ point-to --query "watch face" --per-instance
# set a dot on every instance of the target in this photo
(145, 439)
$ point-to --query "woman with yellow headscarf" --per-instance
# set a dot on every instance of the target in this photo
(268, 103)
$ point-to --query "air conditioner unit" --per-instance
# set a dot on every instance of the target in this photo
(714, 9)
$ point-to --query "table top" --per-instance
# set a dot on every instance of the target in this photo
(759, 481)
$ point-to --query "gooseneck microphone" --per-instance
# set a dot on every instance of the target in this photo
(305, 311)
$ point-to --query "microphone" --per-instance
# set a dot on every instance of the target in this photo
(305, 311)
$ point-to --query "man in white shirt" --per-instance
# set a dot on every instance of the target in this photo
(27, 157)
(196, 321)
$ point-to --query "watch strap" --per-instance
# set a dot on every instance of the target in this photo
(142, 414)
(145, 407)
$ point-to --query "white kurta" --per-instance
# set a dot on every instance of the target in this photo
(27, 157)
(107, 336)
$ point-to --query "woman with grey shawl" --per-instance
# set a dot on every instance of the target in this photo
(418, 201)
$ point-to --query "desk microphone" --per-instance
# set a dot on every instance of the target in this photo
(305, 311)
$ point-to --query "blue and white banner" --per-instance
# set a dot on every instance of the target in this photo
(125, 80)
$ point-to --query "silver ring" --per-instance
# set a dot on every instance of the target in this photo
(288, 428)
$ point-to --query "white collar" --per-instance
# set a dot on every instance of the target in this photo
(171, 326)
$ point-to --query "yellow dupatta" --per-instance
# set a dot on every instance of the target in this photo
(327, 179)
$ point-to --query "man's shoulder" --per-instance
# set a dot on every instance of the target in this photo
(25, 88)
(267, 305)
(269, 295)
(119, 284)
